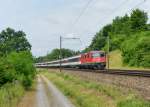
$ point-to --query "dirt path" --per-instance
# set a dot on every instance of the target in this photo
(42, 97)
(28, 100)
(45, 95)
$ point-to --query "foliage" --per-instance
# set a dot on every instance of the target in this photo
(11, 40)
(7, 71)
(10, 94)
(121, 25)
(17, 66)
(16, 60)
(55, 55)
(136, 50)
(25, 68)
(122, 31)
(138, 20)
(98, 42)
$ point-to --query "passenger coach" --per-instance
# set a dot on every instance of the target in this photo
(90, 60)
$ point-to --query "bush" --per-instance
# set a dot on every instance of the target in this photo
(23, 65)
(17, 66)
(27, 81)
(136, 50)
(7, 71)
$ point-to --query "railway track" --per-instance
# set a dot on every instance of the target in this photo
(140, 73)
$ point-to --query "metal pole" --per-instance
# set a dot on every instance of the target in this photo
(60, 54)
(108, 53)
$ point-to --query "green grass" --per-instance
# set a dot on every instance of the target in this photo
(116, 62)
(10, 94)
(90, 94)
(115, 59)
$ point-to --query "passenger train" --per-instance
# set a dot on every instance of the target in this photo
(89, 60)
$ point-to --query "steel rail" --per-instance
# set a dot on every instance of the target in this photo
(140, 73)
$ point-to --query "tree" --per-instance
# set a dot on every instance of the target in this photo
(55, 54)
(135, 51)
(106, 30)
(138, 20)
(99, 39)
(11, 40)
(121, 25)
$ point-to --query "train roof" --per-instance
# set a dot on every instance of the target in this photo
(96, 51)
(49, 62)
(92, 52)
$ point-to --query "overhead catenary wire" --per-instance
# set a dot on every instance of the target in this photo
(85, 8)
(87, 5)
(105, 17)
(136, 6)
(117, 8)
(72, 26)
(80, 14)
(113, 11)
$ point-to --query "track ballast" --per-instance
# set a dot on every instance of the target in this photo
(140, 73)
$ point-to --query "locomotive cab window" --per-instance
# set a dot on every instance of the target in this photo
(96, 55)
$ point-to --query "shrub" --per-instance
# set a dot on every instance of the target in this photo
(7, 71)
(23, 65)
(17, 66)
(136, 50)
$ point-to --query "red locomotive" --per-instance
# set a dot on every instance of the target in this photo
(93, 59)
(90, 60)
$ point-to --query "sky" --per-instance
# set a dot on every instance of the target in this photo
(44, 21)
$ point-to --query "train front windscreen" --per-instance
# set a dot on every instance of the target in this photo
(98, 54)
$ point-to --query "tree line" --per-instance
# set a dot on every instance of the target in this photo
(55, 55)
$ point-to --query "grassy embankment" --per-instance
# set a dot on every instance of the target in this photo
(89, 94)
(117, 63)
